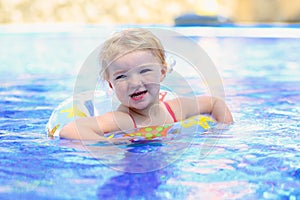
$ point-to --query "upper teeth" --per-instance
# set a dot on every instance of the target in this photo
(138, 93)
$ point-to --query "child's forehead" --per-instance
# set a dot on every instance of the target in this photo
(135, 59)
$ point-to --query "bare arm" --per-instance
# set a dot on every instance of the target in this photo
(82, 129)
(93, 128)
(187, 107)
(220, 111)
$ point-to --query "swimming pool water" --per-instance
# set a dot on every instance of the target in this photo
(258, 157)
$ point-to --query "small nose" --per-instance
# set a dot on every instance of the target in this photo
(135, 80)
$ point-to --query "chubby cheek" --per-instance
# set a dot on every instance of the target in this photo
(153, 87)
(153, 82)
(121, 91)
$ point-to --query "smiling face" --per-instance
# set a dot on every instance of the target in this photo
(135, 78)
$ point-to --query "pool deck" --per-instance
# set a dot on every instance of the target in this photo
(231, 30)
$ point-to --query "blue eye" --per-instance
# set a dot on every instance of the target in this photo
(145, 70)
(120, 77)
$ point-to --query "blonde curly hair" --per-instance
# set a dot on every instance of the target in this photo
(127, 41)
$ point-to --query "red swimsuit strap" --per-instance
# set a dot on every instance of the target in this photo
(169, 110)
(134, 123)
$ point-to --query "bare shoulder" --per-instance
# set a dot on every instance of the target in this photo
(184, 107)
(178, 106)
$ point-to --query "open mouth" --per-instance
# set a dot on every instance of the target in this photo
(138, 95)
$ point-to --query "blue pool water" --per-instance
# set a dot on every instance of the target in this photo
(258, 157)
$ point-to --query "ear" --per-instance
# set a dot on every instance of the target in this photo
(163, 72)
